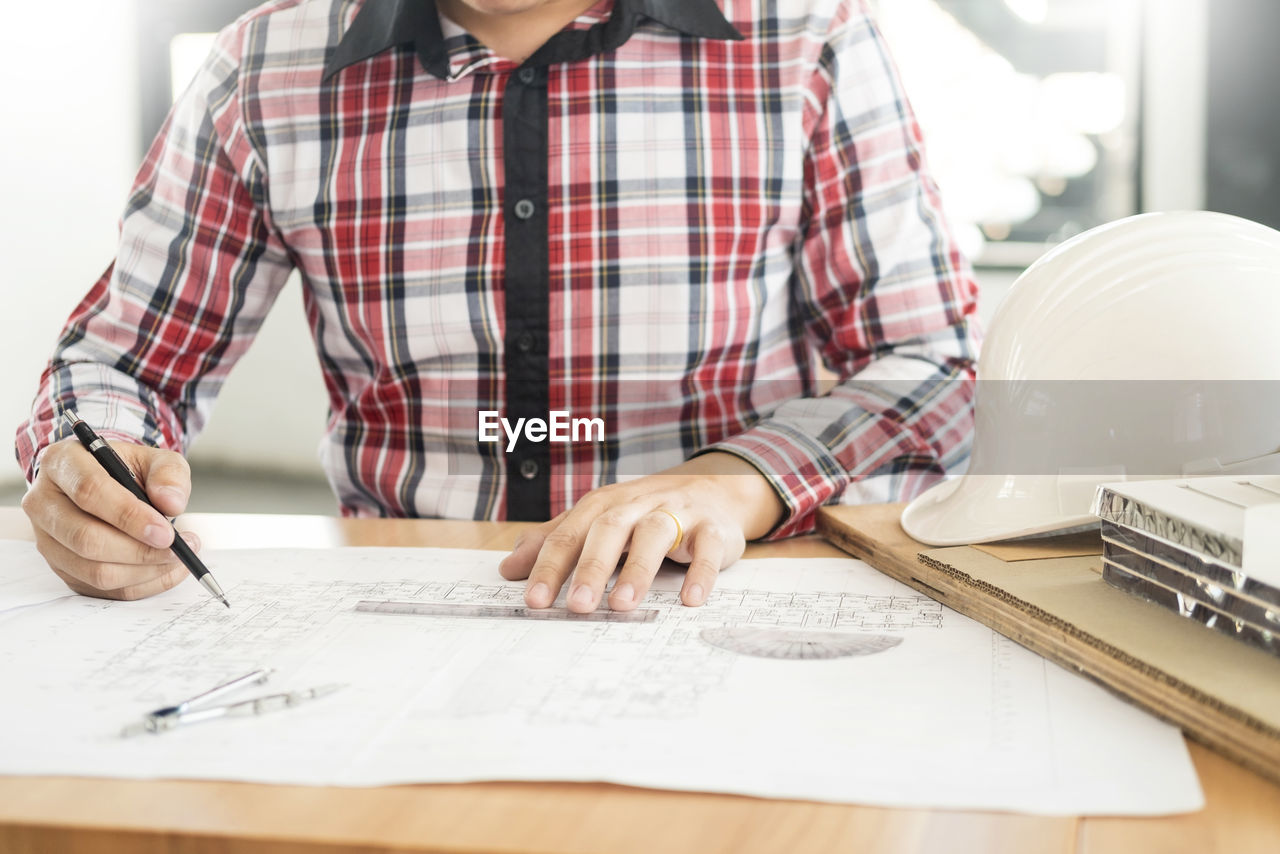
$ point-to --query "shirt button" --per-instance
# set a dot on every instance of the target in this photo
(526, 75)
(529, 469)
(524, 342)
(524, 209)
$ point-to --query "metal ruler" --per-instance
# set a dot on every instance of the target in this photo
(495, 612)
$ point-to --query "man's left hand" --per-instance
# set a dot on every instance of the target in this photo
(700, 513)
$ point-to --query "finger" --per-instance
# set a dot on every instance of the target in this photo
(653, 536)
(101, 577)
(519, 563)
(559, 553)
(169, 579)
(165, 475)
(85, 535)
(193, 540)
(606, 540)
(78, 586)
(77, 475)
(709, 549)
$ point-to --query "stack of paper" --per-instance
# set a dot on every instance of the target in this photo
(1207, 548)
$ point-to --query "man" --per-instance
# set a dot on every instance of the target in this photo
(660, 214)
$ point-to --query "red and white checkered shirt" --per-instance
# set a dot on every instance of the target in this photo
(667, 218)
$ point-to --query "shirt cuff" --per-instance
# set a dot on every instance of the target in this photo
(114, 412)
(802, 471)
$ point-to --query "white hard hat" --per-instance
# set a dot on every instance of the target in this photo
(1147, 347)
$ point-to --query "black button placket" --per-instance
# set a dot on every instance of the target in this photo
(524, 139)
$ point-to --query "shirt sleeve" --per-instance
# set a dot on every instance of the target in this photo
(884, 295)
(197, 267)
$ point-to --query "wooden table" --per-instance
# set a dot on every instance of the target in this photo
(40, 815)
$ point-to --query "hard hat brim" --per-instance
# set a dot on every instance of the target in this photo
(985, 508)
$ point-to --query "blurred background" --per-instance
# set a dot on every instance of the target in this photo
(1042, 118)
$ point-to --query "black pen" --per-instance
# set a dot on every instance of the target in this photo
(120, 473)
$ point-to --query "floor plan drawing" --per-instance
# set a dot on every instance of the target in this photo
(818, 679)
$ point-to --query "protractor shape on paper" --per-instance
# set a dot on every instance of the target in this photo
(788, 643)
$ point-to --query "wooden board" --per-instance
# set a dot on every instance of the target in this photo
(1221, 692)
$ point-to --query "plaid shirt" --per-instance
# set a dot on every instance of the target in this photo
(667, 218)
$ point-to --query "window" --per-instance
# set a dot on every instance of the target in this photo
(173, 39)
(1030, 114)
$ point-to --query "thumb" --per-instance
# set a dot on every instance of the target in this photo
(164, 475)
(519, 563)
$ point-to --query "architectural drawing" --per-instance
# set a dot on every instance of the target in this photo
(815, 679)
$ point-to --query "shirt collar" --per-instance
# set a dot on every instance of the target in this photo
(383, 24)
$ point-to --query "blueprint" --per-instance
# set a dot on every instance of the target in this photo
(815, 679)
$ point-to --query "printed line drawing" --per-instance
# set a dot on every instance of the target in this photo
(450, 697)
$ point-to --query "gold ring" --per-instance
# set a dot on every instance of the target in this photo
(679, 529)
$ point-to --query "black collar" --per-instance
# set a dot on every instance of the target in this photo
(383, 24)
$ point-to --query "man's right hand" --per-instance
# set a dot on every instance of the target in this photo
(99, 538)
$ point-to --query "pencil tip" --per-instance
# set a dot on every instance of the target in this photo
(225, 602)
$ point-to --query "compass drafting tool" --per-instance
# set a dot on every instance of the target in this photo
(198, 709)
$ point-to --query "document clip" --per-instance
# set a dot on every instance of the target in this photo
(187, 712)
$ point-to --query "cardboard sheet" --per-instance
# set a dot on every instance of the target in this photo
(1079, 544)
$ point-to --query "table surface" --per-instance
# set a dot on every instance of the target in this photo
(42, 814)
